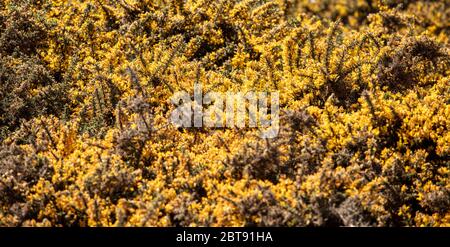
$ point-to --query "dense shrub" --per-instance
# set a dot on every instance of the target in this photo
(84, 110)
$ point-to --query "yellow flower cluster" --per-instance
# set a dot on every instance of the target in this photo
(364, 106)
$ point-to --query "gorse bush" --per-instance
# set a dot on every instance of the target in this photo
(364, 113)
